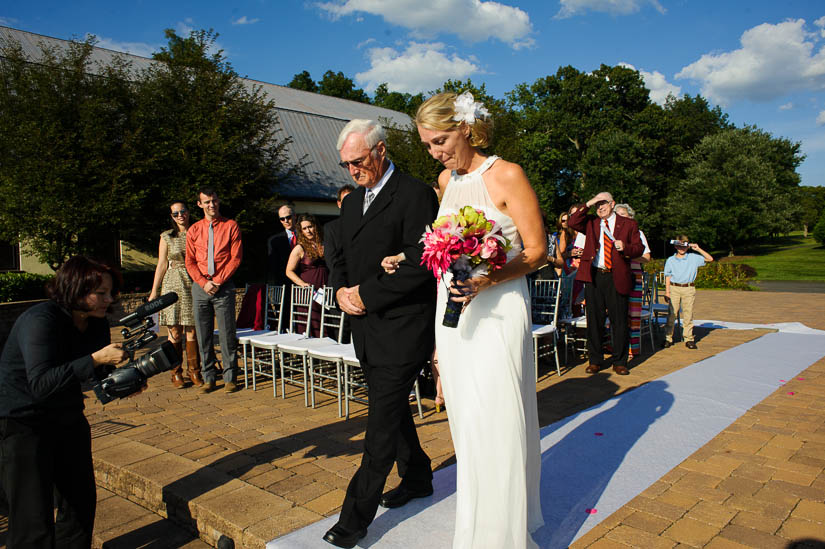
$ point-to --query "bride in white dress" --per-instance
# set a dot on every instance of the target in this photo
(486, 362)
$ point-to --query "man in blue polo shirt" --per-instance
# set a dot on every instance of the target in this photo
(680, 272)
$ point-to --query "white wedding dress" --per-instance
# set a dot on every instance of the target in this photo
(490, 394)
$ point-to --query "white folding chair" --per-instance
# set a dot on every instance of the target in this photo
(296, 353)
(264, 347)
(274, 308)
(544, 305)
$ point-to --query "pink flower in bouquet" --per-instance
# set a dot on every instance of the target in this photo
(489, 248)
(467, 234)
(471, 246)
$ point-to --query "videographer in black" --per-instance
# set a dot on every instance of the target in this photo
(45, 440)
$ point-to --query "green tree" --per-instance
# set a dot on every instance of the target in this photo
(560, 115)
(66, 151)
(303, 81)
(337, 84)
(397, 101)
(812, 205)
(739, 187)
(819, 229)
(201, 125)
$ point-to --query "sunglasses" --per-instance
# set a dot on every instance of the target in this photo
(285, 217)
(356, 163)
(179, 213)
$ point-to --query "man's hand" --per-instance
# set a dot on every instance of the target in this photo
(355, 298)
(601, 197)
(211, 288)
(618, 244)
(344, 297)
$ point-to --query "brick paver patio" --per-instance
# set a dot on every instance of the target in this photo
(253, 467)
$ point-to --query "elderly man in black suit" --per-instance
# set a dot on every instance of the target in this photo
(392, 320)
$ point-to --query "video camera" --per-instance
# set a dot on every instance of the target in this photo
(131, 378)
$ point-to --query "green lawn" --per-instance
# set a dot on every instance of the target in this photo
(791, 257)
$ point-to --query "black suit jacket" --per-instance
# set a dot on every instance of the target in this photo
(277, 253)
(332, 243)
(399, 324)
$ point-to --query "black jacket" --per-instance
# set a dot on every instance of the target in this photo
(277, 253)
(45, 360)
(399, 324)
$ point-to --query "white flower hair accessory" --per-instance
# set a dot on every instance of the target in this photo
(467, 110)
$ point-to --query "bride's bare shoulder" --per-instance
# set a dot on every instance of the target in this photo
(443, 179)
(506, 173)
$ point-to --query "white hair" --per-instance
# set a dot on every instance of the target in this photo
(371, 130)
(631, 213)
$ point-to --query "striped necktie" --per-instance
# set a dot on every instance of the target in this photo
(608, 247)
(368, 198)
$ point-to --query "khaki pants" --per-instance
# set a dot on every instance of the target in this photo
(684, 298)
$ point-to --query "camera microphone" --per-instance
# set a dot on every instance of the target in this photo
(148, 309)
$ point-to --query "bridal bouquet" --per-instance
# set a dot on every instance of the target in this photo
(465, 244)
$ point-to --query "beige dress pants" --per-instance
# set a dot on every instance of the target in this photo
(681, 297)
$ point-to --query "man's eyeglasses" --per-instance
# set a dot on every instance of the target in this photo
(356, 163)
(179, 213)
(285, 217)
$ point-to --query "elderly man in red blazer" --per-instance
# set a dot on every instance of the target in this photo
(605, 269)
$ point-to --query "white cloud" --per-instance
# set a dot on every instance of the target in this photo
(773, 61)
(7, 21)
(471, 20)
(135, 48)
(244, 20)
(820, 120)
(366, 42)
(786, 107)
(569, 8)
(658, 85)
(421, 67)
(821, 24)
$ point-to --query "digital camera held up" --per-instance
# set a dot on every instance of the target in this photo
(131, 377)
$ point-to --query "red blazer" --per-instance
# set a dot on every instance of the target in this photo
(626, 230)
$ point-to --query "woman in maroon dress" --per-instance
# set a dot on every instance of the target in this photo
(306, 266)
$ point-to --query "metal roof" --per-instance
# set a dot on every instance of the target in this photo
(312, 120)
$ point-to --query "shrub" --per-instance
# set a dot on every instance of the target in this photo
(725, 275)
(715, 275)
(22, 286)
(819, 229)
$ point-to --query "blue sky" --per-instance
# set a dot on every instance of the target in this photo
(763, 61)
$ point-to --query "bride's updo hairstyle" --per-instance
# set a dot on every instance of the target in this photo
(447, 111)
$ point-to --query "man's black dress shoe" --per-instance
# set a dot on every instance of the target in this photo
(690, 345)
(341, 537)
(667, 344)
(401, 495)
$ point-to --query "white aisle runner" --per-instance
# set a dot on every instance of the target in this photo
(599, 459)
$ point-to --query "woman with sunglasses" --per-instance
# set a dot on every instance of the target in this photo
(171, 276)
